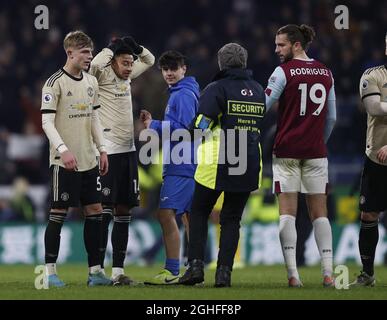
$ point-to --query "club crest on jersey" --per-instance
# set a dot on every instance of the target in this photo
(64, 196)
(362, 200)
(364, 84)
(47, 98)
(122, 87)
(90, 91)
(105, 191)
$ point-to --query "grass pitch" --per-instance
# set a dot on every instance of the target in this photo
(250, 283)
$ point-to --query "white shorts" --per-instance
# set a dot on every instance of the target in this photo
(305, 176)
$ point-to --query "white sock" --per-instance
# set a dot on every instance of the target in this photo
(50, 269)
(288, 238)
(323, 236)
(95, 269)
(116, 272)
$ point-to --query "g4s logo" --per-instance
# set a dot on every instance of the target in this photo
(246, 92)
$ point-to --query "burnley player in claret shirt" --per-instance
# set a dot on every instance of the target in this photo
(304, 90)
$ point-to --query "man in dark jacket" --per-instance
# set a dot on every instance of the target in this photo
(231, 109)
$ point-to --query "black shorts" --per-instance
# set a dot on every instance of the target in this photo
(73, 188)
(120, 185)
(373, 189)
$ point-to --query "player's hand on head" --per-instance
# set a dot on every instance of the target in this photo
(69, 160)
(103, 164)
(133, 45)
(382, 154)
(116, 44)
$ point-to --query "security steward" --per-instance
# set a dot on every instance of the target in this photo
(231, 109)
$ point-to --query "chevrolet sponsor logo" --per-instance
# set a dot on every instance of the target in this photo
(80, 115)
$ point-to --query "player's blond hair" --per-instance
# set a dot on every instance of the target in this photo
(77, 39)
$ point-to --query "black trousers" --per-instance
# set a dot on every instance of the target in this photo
(203, 202)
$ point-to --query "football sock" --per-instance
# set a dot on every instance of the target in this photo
(50, 269)
(95, 269)
(116, 272)
(368, 239)
(323, 237)
(173, 265)
(120, 235)
(106, 218)
(92, 239)
(52, 236)
(288, 238)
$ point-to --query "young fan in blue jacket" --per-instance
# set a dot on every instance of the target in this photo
(178, 169)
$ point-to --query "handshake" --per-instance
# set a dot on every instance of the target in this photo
(146, 118)
(127, 44)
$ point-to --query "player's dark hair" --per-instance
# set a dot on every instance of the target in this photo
(303, 34)
(124, 50)
(172, 59)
